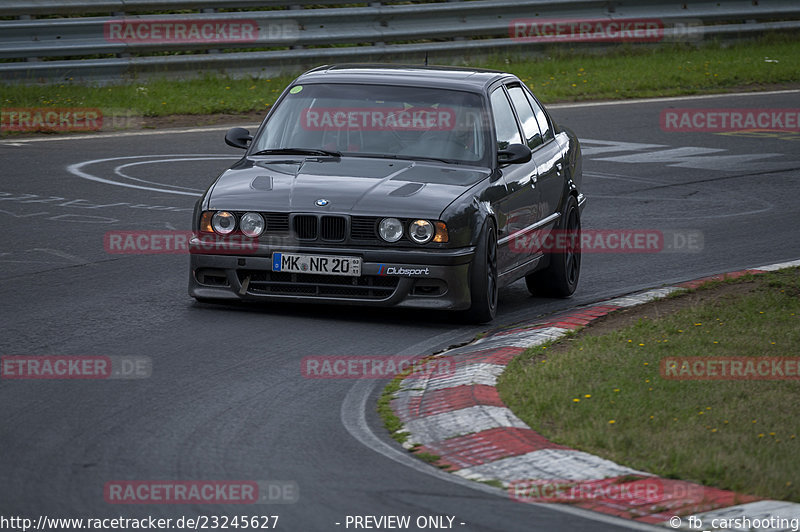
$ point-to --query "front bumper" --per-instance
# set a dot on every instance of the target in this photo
(438, 278)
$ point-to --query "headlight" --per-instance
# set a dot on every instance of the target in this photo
(391, 229)
(223, 222)
(252, 224)
(420, 231)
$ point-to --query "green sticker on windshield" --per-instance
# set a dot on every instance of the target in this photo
(296, 89)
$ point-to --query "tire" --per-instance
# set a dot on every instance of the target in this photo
(483, 277)
(560, 277)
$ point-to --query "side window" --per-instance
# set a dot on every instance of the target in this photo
(525, 113)
(504, 120)
(541, 118)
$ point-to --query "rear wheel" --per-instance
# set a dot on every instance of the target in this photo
(483, 277)
(560, 277)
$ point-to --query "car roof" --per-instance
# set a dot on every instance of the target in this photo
(461, 78)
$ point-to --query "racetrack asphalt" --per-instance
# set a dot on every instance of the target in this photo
(226, 399)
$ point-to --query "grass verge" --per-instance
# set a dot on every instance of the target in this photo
(391, 422)
(604, 393)
(563, 75)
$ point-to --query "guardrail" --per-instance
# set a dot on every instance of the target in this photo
(124, 43)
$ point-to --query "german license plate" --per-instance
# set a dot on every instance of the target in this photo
(323, 264)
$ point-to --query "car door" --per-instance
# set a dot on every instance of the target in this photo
(518, 208)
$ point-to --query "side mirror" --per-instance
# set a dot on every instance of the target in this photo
(514, 154)
(238, 137)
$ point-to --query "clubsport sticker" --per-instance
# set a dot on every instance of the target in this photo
(402, 271)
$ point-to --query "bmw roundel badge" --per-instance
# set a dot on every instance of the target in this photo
(321, 202)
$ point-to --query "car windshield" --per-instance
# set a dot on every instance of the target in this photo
(379, 120)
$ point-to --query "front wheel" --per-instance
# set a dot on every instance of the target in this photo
(560, 277)
(483, 277)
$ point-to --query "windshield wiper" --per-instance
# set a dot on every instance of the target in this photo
(425, 158)
(405, 157)
(298, 151)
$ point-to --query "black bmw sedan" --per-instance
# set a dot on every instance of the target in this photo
(407, 186)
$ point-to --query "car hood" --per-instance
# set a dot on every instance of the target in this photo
(352, 185)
